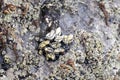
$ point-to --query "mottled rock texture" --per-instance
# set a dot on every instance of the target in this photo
(93, 55)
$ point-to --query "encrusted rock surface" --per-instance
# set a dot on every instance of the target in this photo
(84, 34)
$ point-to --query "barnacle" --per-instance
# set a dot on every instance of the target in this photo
(43, 44)
(52, 48)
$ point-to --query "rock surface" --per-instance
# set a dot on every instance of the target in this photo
(94, 53)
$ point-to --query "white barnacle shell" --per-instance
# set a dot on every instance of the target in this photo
(58, 50)
(47, 20)
(40, 52)
(59, 38)
(50, 23)
(68, 39)
(58, 31)
(55, 45)
(50, 35)
(53, 33)
(50, 56)
(48, 49)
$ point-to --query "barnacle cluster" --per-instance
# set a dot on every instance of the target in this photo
(52, 43)
(55, 44)
(93, 49)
